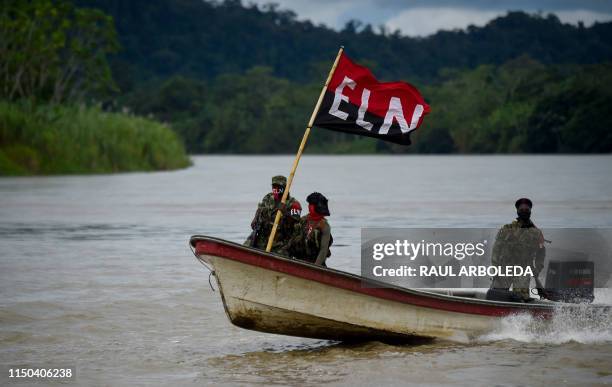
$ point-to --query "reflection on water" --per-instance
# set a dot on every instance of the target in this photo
(322, 362)
(95, 271)
(486, 363)
(22, 231)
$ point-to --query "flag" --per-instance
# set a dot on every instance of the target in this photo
(355, 102)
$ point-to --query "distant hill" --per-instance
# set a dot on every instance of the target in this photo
(230, 78)
(200, 39)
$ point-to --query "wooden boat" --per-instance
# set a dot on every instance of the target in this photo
(270, 293)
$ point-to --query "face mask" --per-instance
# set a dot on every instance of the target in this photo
(277, 193)
(312, 212)
(312, 208)
(524, 214)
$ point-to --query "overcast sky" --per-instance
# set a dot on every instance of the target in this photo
(424, 17)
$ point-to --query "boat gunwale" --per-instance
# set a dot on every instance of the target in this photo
(493, 308)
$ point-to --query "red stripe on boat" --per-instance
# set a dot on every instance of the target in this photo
(338, 280)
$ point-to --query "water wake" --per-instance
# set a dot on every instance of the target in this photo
(580, 323)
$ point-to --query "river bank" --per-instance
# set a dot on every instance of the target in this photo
(69, 139)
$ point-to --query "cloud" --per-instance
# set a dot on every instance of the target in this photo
(325, 12)
(583, 15)
(424, 21)
(425, 17)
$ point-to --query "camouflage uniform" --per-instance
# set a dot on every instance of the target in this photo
(310, 241)
(264, 220)
(519, 243)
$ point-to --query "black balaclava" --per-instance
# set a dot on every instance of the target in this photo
(524, 214)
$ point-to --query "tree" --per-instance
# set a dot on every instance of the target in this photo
(53, 51)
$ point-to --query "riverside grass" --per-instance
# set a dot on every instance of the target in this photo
(61, 139)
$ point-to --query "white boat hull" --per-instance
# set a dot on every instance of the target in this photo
(269, 301)
(270, 293)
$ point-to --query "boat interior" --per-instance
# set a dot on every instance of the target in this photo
(477, 293)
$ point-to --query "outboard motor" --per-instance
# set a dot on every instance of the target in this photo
(570, 281)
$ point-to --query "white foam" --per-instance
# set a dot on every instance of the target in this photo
(582, 324)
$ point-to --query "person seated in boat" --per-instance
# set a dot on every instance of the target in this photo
(518, 243)
(312, 235)
(266, 213)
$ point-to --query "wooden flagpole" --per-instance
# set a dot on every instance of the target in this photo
(301, 149)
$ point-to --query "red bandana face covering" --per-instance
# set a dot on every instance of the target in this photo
(277, 193)
(313, 214)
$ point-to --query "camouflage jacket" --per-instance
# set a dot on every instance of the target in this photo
(266, 213)
(519, 243)
(311, 240)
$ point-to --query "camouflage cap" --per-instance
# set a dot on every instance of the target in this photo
(279, 180)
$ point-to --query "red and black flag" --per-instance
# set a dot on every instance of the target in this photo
(355, 102)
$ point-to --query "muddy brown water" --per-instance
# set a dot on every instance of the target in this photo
(95, 271)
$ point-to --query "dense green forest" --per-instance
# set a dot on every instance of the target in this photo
(224, 77)
(203, 39)
(232, 78)
(53, 69)
(520, 106)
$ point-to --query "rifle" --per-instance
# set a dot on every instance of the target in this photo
(256, 230)
(542, 292)
(540, 288)
(549, 294)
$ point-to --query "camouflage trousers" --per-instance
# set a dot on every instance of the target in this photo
(520, 285)
(261, 242)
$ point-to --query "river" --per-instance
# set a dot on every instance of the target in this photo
(96, 273)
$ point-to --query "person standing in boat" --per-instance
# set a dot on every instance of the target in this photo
(519, 243)
(312, 235)
(266, 213)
